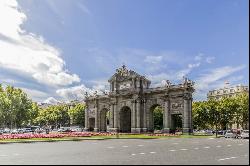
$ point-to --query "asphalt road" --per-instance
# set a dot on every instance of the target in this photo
(195, 151)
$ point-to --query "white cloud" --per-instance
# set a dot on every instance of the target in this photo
(153, 59)
(73, 93)
(210, 59)
(78, 92)
(51, 100)
(27, 52)
(35, 94)
(193, 65)
(199, 57)
(215, 79)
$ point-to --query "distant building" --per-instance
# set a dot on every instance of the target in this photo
(227, 91)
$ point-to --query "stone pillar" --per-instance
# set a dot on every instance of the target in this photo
(138, 116)
(96, 120)
(112, 116)
(111, 121)
(166, 116)
(133, 117)
(115, 118)
(144, 116)
(86, 127)
(187, 119)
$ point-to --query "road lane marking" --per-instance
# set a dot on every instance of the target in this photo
(140, 145)
(240, 144)
(206, 147)
(229, 145)
(152, 152)
(142, 153)
(221, 159)
(133, 154)
(196, 148)
(124, 146)
(233, 157)
(176, 143)
(218, 146)
(183, 149)
(3, 155)
(172, 150)
(110, 147)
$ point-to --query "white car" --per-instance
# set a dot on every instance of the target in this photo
(230, 134)
(244, 134)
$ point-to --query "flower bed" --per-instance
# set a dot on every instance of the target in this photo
(71, 134)
(29, 136)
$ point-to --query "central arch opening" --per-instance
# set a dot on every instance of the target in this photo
(156, 118)
(91, 124)
(125, 120)
(104, 119)
(177, 122)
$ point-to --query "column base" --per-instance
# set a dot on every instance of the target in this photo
(113, 129)
(166, 130)
(133, 130)
(138, 130)
(187, 131)
(144, 130)
(96, 129)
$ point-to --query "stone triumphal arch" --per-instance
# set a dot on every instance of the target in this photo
(127, 107)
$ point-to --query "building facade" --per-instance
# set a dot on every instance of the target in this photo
(130, 103)
(227, 92)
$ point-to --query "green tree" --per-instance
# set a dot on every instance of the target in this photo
(158, 118)
(76, 114)
(200, 115)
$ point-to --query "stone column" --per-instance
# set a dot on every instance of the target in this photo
(187, 114)
(166, 116)
(144, 116)
(133, 117)
(111, 122)
(96, 120)
(86, 128)
(115, 117)
(138, 116)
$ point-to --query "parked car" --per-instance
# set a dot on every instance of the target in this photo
(6, 130)
(27, 130)
(20, 131)
(230, 134)
(244, 134)
(15, 131)
(77, 129)
(33, 128)
(64, 129)
(39, 130)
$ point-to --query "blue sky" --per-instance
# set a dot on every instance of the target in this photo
(62, 48)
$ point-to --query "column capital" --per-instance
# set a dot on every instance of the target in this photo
(187, 96)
